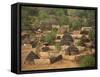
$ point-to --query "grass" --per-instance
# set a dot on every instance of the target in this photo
(87, 61)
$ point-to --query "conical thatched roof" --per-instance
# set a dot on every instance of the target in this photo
(72, 50)
(31, 56)
(66, 39)
(45, 49)
(55, 59)
(58, 37)
(84, 32)
(84, 39)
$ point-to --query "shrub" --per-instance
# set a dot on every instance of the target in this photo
(92, 35)
(79, 43)
(87, 61)
(58, 46)
(55, 29)
(49, 38)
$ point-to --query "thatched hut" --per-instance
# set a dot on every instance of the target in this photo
(67, 39)
(58, 37)
(45, 48)
(84, 40)
(71, 50)
(30, 57)
(85, 30)
(56, 59)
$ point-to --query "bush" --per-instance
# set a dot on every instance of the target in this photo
(92, 35)
(87, 61)
(55, 29)
(75, 25)
(49, 38)
(79, 43)
(58, 46)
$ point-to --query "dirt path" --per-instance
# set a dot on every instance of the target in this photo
(57, 65)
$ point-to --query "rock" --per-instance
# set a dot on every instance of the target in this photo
(57, 41)
(85, 30)
(53, 54)
(46, 44)
(81, 48)
(64, 47)
(76, 36)
(89, 45)
(52, 47)
(67, 57)
(56, 26)
(42, 61)
(60, 35)
(44, 55)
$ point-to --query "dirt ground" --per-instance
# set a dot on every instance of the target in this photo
(57, 65)
(64, 63)
(60, 64)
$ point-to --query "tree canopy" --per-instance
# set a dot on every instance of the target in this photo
(33, 17)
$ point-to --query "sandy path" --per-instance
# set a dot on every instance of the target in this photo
(57, 65)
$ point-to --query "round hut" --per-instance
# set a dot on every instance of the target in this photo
(67, 39)
(45, 48)
(30, 57)
(84, 40)
(72, 50)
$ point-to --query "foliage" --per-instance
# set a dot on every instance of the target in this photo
(79, 43)
(58, 46)
(49, 38)
(76, 25)
(33, 17)
(92, 35)
(28, 17)
(87, 61)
